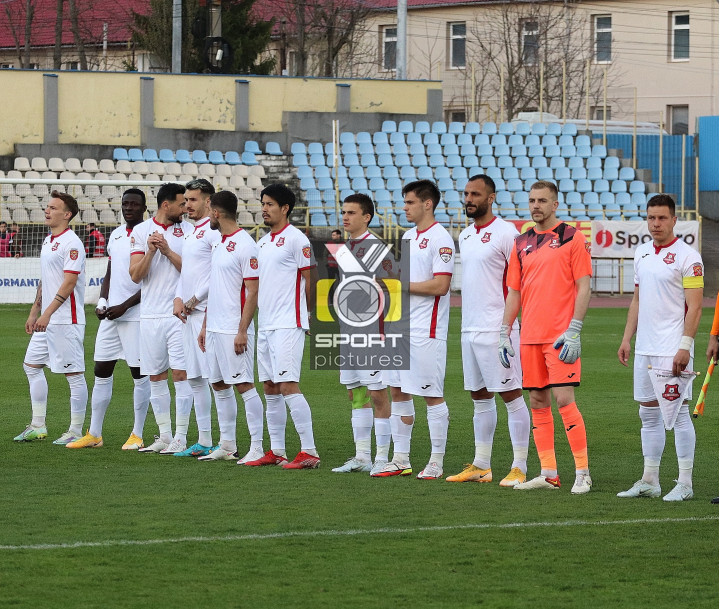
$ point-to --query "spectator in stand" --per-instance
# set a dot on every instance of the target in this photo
(94, 242)
(5, 240)
(332, 266)
(15, 241)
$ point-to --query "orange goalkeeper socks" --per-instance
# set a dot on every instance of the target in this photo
(544, 434)
(575, 430)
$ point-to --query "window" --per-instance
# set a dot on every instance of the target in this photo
(680, 36)
(457, 45)
(389, 46)
(596, 112)
(72, 65)
(530, 43)
(457, 116)
(678, 120)
(6, 66)
(603, 38)
(34, 66)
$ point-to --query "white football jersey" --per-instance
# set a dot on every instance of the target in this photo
(234, 261)
(281, 293)
(160, 284)
(121, 286)
(662, 274)
(197, 253)
(485, 253)
(60, 254)
(432, 252)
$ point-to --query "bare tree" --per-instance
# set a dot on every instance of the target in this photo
(518, 42)
(57, 49)
(77, 36)
(19, 24)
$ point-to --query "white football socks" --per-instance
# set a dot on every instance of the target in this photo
(484, 424)
(652, 438)
(519, 427)
(141, 402)
(684, 445)
(38, 394)
(226, 405)
(401, 431)
(160, 400)
(276, 415)
(78, 402)
(183, 407)
(202, 400)
(438, 418)
(361, 420)
(302, 418)
(254, 416)
(382, 439)
(101, 396)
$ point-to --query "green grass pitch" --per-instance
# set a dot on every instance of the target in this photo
(109, 528)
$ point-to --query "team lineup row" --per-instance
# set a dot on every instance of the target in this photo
(181, 297)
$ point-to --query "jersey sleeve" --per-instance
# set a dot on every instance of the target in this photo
(580, 257)
(693, 271)
(636, 260)
(138, 240)
(303, 253)
(250, 268)
(513, 274)
(443, 256)
(73, 258)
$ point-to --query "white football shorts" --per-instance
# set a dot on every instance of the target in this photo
(118, 340)
(195, 359)
(60, 347)
(481, 364)
(426, 376)
(224, 364)
(279, 354)
(372, 379)
(642, 385)
(161, 345)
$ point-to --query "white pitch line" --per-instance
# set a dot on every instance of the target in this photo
(347, 533)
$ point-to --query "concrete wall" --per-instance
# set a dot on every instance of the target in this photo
(194, 111)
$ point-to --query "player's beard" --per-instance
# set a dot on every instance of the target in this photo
(480, 210)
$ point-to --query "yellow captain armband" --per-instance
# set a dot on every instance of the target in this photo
(694, 282)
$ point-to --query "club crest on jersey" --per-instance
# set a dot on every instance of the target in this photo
(55, 246)
(423, 244)
(200, 234)
(672, 392)
(360, 252)
(73, 254)
(178, 231)
(445, 254)
(230, 246)
(587, 247)
(387, 265)
(697, 270)
(253, 264)
(669, 259)
(280, 242)
(555, 243)
(486, 238)
(306, 251)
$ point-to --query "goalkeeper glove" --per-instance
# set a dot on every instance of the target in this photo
(505, 348)
(570, 342)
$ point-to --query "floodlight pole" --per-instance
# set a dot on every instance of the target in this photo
(401, 45)
(177, 37)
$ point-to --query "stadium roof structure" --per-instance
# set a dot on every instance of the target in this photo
(93, 15)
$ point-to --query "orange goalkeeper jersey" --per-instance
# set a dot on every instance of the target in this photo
(544, 266)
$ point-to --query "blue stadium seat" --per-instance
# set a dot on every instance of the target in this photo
(627, 174)
(566, 185)
(584, 151)
(397, 138)
(318, 219)
(459, 173)
(150, 155)
(448, 138)
(442, 172)
(519, 150)
(400, 148)
(613, 211)
(574, 162)
(499, 139)
(273, 148)
(514, 184)
(636, 186)
(439, 127)
(135, 154)
(590, 197)
(363, 137)
(583, 140)
(359, 184)
(618, 186)
(384, 160)
(298, 148)
(482, 139)
(566, 140)
(499, 184)
(569, 129)
(522, 128)
(538, 129)
(322, 172)
(599, 150)
(539, 161)
(436, 160)
(593, 163)
(522, 161)
(464, 138)
(216, 157)
(552, 151)
(199, 156)
(455, 127)
(515, 140)
(532, 140)
(502, 150)
(489, 128)
(419, 160)
(304, 172)
(544, 173)
(611, 162)
(183, 156)
(556, 162)
(430, 138)
(562, 173)
(347, 138)
(366, 160)
(554, 129)
(471, 161)
(445, 184)
(468, 150)
(396, 183)
(308, 183)
(252, 146)
(422, 127)
(488, 161)
(485, 150)
(493, 172)
(166, 155)
(460, 184)
(315, 159)
(380, 137)
(594, 210)
(568, 151)
(536, 151)
(606, 198)
(390, 171)
(343, 183)
(595, 173)
(454, 160)
(233, 158)
(506, 129)
(325, 183)
(401, 160)
(472, 128)
(120, 154)
(450, 149)
(430, 149)
(510, 173)
(638, 198)
(611, 173)
(578, 173)
(315, 148)
(347, 148)
(452, 199)
(623, 199)
(389, 126)
(583, 185)
(503, 198)
(549, 140)
(376, 184)
(355, 171)
(414, 138)
(418, 148)
(425, 172)
(504, 161)
(248, 158)
(528, 173)
(375, 222)
(383, 149)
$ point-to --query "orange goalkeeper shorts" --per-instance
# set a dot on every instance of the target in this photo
(542, 368)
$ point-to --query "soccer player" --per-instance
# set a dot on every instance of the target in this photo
(155, 259)
(228, 333)
(357, 213)
(549, 277)
(189, 307)
(285, 295)
(432, 254)
(57, 321)
(665, 313)
(118, 335)
(485, 249)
